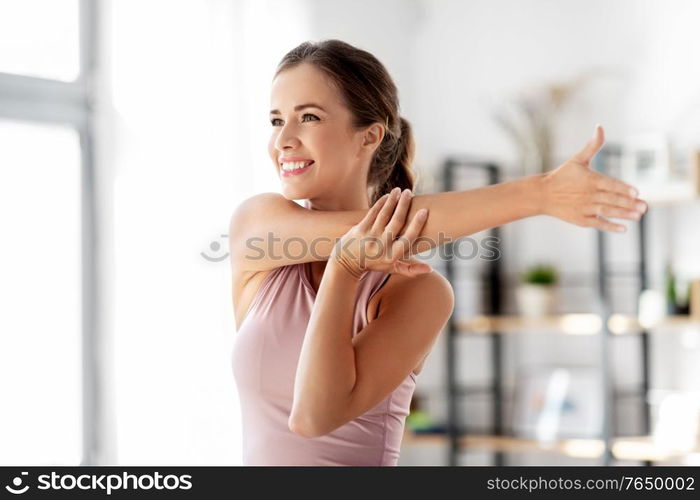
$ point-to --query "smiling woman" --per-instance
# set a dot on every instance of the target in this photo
(331, 129)
(334, 316)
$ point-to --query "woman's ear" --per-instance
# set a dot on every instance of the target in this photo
(374, 135)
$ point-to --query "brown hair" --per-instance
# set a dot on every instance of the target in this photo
(371, 96)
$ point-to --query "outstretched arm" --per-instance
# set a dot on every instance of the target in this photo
(269, 231)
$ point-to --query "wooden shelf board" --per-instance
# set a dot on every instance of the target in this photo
(584, 323)
(638, 448)
(566, 324)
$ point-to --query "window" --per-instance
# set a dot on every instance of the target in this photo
(48, 335)
(40, 38)
(40, 292)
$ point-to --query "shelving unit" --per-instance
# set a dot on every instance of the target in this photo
(606, 333)
(457, 435)
(496, 326)
(604, 323)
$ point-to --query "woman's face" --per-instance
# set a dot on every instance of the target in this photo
(322, 133)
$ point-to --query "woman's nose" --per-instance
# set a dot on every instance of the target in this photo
(286, 137)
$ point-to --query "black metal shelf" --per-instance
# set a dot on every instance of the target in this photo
(493, 282)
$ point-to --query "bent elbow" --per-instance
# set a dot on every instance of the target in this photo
(305, 427)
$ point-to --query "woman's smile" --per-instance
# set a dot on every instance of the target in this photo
(295, 168)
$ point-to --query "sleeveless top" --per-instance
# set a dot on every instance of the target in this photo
(264, 361)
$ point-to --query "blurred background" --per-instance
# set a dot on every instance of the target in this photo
(129, 131)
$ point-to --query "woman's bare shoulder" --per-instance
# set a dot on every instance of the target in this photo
(434, 289)
(426, 284)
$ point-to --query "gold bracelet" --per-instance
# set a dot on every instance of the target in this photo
(347, 264)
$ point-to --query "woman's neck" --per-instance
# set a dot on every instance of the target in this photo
(358, 202)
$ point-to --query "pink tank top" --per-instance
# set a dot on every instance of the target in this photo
(264, 360)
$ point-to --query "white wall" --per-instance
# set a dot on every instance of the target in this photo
(465, 55)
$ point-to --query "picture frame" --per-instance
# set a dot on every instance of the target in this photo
(558, 402)
(676, 419)
(645, 159)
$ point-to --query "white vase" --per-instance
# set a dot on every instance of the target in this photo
(536, 300)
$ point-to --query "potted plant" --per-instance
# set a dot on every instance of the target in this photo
(536, 295)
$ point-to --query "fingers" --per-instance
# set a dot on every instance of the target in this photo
(386, 212)
(371, 215)
(601, 210)
(405, 242)
(412, 267)
(390, 219)
(398, 220)
(616, 186)
(620, 201)
(604, 224)
(609, 204)
(592, 147)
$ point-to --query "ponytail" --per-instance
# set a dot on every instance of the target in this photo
(398, 171)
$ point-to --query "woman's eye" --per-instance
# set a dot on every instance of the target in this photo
(303, 116)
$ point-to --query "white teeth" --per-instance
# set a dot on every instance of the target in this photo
(294, 165)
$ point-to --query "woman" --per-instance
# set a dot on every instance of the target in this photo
(334, 316)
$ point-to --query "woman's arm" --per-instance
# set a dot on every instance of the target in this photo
(340, 376)
(268, 231)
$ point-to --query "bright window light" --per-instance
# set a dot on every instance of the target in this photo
(40, 38)
(40, 344)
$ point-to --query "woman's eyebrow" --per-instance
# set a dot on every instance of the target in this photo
(300, 107)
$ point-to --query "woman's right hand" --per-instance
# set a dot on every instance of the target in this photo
(374, 243)
(575, 193)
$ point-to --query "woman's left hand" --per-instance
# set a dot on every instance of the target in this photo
(575, 193)
(373, 244)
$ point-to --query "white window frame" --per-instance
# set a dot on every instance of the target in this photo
(48, 101)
